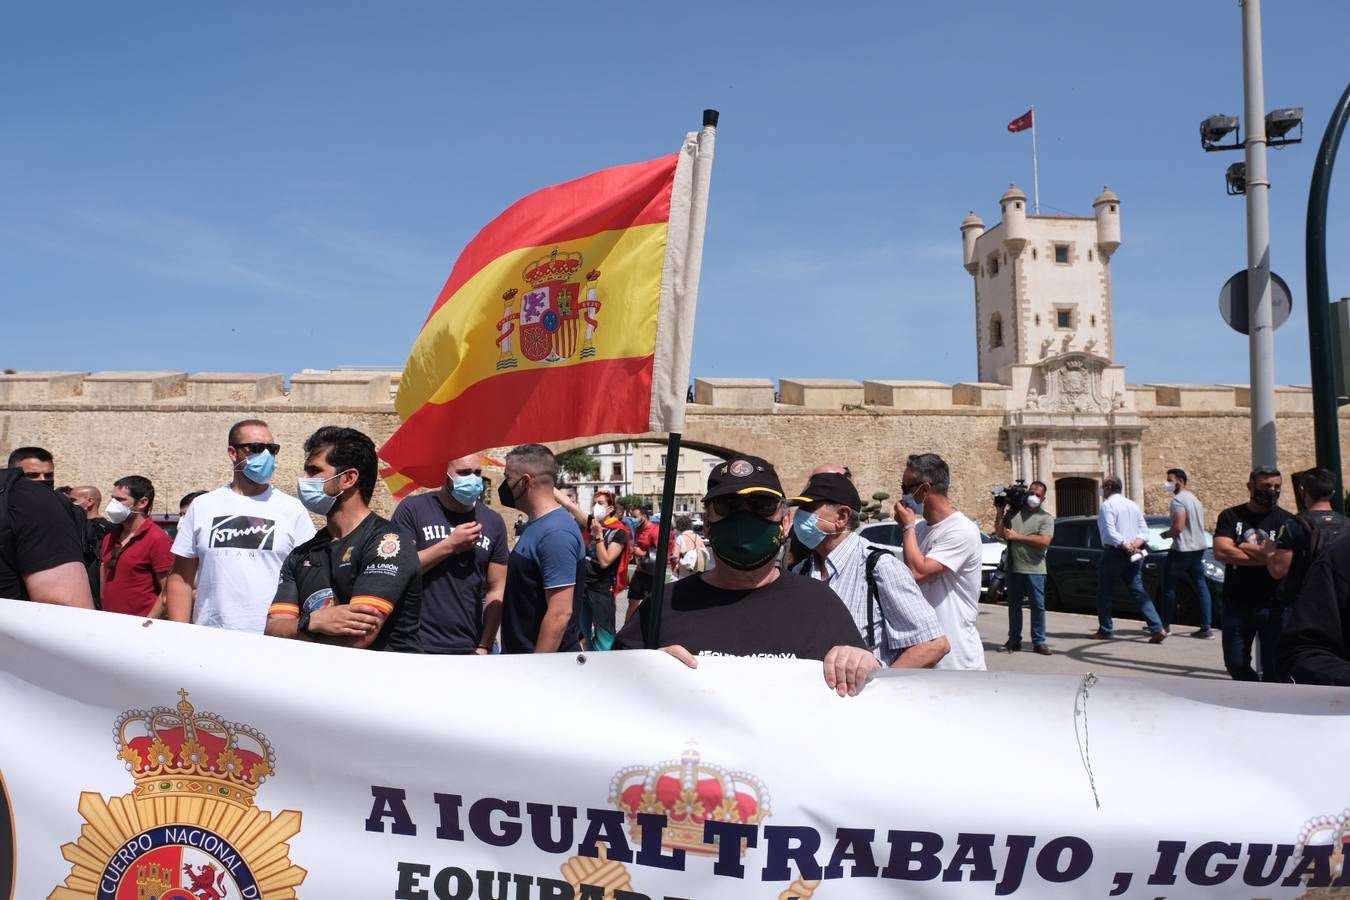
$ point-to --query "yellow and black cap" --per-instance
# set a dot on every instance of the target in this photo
(829, 487)
(742, 475)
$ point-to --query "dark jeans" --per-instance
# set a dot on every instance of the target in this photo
(1115, 566)
(1189, 565)
(1021, 586)
(1240, 626)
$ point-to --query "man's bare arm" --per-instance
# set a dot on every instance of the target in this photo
(923, 656)
(63, 585)
(182, 579)
(556, 617)
(492, 606)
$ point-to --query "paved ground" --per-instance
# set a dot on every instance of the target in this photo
(1129, 653)
(1075, 653)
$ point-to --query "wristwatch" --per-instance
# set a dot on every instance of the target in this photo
(302, 623)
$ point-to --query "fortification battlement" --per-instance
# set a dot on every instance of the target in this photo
(374, 391)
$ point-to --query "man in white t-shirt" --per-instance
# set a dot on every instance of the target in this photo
(946, 562)
(232, 541)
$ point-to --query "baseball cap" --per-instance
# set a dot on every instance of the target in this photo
(829, 487)
(742, 475)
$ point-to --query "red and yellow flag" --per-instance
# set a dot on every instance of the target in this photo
(554, 322)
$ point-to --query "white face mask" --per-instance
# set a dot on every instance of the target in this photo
(600, 511)
(117, 512)
(1033, 501)
(1170, 487)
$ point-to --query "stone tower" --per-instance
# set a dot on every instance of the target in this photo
(1043, 327)
(1042, 283)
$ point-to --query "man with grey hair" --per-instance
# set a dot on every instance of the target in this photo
(1124, 534)
(546, 570)
(946, 562)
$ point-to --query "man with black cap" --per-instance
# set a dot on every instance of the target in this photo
(897, 623)
(746, 605)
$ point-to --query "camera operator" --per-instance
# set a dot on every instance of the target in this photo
(1027, 528)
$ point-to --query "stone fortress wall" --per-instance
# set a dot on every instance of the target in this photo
(171, 427)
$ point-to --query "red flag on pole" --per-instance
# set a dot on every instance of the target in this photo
(1021, 123)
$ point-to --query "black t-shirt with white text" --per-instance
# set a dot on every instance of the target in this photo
(376, 565)
(454, 589)
(39, 534)
(1250, 586)
(791, 617)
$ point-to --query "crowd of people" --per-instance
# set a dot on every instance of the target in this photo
(772, 574)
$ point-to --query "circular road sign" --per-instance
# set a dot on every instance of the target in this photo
(1234, 308)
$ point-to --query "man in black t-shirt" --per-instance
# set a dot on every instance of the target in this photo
(461, 548)
(357, 582)
(1252, 605)
(746, 606)
(1306, 535)
(41, 545)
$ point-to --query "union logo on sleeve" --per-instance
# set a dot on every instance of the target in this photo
(190, 829)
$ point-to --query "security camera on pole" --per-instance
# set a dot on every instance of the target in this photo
(1256, 317)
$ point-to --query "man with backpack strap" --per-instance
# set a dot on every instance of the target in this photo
(897, 624)
(1304, 537)
(41, 544)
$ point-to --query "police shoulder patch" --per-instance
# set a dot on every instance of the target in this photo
(389, 546)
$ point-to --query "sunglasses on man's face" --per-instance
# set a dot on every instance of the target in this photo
(256, 447)
(40, 476)
(765, 506)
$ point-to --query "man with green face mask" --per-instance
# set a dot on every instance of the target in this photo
(746, 605)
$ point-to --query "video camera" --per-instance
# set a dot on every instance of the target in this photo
(1010, 499)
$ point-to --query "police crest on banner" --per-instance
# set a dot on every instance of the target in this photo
(190, 829)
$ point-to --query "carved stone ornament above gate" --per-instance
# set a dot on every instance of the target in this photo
(1071, 383)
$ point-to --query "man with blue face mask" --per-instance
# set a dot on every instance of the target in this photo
(897, 623)
(461, 548)
(232, 541)
(357, 583)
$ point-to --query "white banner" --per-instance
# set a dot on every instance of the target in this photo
(152, 760)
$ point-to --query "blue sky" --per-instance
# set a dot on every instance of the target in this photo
(260, 186)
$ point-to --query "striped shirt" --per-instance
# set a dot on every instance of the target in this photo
(904, 618)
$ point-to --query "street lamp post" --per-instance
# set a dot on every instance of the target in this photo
(1261, 340)
(1249, 178)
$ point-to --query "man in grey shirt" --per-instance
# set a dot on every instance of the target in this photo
(1028, 533)
(1185, 560)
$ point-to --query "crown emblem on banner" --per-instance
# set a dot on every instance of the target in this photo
(557, 266)
(1333, 830)
(183, 752)
(689, 792)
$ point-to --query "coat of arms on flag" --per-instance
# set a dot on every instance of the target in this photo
(551, 312)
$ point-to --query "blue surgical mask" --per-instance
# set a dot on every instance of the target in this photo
(466, 489)
(915, 505)
(312, 495)
(260, 467)
(806, 526)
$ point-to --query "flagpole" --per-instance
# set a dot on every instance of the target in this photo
(1035, 168)
(698, 217)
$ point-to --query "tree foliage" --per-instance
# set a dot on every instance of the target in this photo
(580, 464)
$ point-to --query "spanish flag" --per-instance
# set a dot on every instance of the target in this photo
(569, 315)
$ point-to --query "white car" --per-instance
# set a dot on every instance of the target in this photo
(887, 534)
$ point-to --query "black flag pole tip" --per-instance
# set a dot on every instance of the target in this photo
(710, 118)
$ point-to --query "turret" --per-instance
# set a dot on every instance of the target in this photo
(1107, 206)
(1014, 204)
(971, 229)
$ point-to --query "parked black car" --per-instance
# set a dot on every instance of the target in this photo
(1075, 555)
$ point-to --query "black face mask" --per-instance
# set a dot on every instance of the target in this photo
(1265, 497)
(505, 495)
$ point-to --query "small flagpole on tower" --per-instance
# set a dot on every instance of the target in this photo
(1035, 168)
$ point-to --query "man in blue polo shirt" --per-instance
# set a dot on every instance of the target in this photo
(545, 573)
